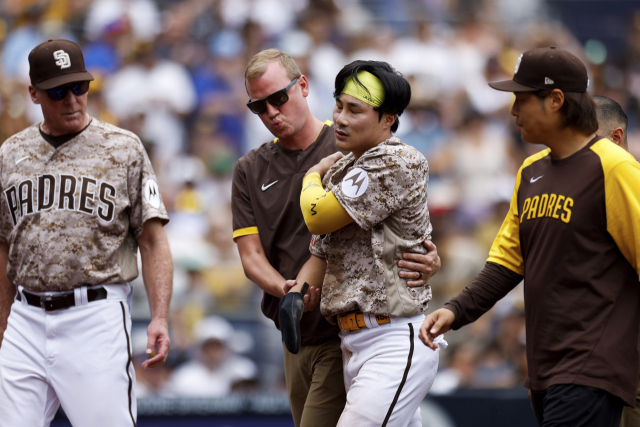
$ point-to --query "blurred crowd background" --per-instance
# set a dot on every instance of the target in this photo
(172, 72)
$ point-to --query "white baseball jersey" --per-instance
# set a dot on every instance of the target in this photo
(72, 215)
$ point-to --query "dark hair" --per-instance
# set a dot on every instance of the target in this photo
(578, 111)
(397, 91)
(610, 116)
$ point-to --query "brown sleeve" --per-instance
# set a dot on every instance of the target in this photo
(491, 285)
(244, 221)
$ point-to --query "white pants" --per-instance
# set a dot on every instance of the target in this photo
(79, 357)
(387, 374)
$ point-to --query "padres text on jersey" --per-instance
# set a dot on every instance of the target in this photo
(72, 214)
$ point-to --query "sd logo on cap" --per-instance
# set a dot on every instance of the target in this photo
(55, 63)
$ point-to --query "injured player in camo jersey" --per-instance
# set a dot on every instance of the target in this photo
(365, 209)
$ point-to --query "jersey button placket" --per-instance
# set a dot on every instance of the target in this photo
(43, 215)
(49, 160)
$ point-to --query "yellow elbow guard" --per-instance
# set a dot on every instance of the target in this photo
(321, 210)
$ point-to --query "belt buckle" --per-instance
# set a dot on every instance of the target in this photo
(43, 300)
(49, 303)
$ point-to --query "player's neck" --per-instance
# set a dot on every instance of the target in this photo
(381, 138)
(565, 142)
(307, 135)
(55, 131)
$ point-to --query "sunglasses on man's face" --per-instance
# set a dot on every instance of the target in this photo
(60, 92)
(277, 98)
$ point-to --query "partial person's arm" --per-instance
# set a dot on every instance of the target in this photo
(292, 305)
(312, 273)
(256, 266)
(491, 285)
(503, 271)
(7, 289)
(246, 235)
(322, 212)
(157, 273)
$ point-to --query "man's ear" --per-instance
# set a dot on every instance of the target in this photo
(617, 137)
(555, 100)
(33, 95)
(304, 85)
(389, 120)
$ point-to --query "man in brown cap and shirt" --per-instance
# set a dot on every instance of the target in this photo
(573, 234)
(273, 239)
(79, 198)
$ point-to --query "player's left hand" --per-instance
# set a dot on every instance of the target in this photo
(158, 343)
(427, 264)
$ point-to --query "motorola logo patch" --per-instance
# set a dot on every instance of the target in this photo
(152, 193)
(355, 183)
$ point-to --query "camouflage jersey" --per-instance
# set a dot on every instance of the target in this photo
(385, 192)
(72, 215)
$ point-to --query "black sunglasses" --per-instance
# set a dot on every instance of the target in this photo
(60, 92)
(276, 99)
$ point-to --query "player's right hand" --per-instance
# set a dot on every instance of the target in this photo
(323, 166)
(311, 299)
(158, 343)
(436, 323)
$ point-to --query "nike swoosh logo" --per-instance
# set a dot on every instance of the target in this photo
(21, 160)
(534, 180)
(266, 187)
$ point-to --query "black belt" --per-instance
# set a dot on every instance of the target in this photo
(61, 301)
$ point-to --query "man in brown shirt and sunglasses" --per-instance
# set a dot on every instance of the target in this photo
(273, 239)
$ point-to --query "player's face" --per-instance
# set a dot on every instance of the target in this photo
(286, 120)
(532, 119)
(357, 124)
(64, 116)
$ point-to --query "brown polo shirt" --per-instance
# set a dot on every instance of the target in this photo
(573, 233)
(265, 200)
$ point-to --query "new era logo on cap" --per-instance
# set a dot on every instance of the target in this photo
(56, 63)
(546, 68)
(518, 64)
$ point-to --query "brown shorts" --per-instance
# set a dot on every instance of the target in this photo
(315, 384)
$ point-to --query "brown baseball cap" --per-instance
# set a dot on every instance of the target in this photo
(55, 63)
(546, 68)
